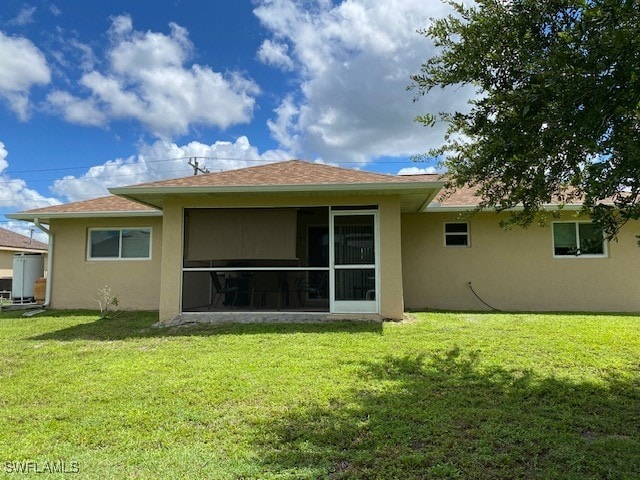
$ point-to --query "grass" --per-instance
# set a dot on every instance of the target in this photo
(468, 395)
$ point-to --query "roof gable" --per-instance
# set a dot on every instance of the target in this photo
(289, 178)
(292, 172)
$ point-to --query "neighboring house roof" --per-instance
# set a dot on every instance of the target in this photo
(14, 241)
(294, 177)
(109, 206)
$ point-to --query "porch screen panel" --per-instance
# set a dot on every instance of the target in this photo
(355, 284)
(354, 244)
(213, 234)
(225, 234)
(269, 234)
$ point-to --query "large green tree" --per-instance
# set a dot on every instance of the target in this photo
(556, 116)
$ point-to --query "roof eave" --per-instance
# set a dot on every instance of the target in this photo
(130, 192)
(28, 216)
(5, 248)
(468, 208)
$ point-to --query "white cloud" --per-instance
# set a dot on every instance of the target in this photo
(275, 54)
(24, 17)
(284, 126)
(121, 25)
(76, 110)
(162, 160)
(3, 158)
(417, 171)
(355, 59)
(88, 58)
(14, 193)
(148, 80)
(133, 50)
(55, 10)
(22, 65)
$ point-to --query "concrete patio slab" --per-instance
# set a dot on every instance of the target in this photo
(266, 317)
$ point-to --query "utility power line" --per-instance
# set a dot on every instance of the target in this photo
(117, 175)
(193, 162)
(173, 159)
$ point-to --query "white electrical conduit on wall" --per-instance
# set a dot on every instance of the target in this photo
(47, 294)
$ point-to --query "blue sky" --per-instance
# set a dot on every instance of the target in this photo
(99, 94)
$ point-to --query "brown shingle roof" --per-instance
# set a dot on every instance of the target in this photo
(466, 198)
(292, 172)
(110, 203)
(9, 240)
(460, 197)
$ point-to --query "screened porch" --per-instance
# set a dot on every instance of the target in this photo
(277, 259)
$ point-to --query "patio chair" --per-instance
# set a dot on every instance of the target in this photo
(218, 291)
(265, 290)
(317, 289)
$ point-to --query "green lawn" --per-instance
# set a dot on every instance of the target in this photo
(465, 395)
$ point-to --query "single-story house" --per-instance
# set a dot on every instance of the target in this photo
(307, 237)
(10, 244)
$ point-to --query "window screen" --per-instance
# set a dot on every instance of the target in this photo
(456, 234)
(105, 243)
(577, 238)
(135, 243)
(565, 241)
(590, 239)
(120, 243)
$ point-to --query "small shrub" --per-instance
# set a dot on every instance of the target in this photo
(106, 301)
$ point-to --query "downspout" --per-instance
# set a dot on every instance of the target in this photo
(47, 294)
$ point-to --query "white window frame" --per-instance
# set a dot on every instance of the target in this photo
(119, 258)
(605, 244)
(457, 234)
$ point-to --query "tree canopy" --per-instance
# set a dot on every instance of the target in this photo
(556, 115)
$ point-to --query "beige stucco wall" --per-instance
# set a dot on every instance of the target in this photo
(391, 303)
(6, 263)
(76, 280)
(514, 269)
(171, 262)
